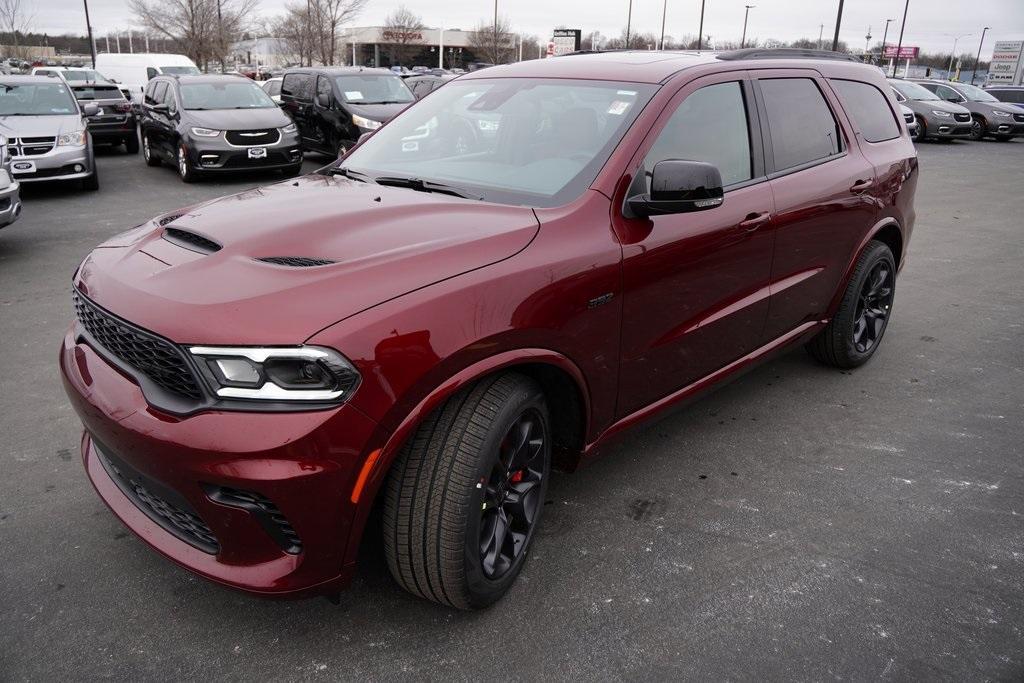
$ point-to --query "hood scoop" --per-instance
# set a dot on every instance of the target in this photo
(296, 261)
(191, 241)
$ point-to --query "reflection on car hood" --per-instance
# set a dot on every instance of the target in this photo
(377, 112)
(383, 241)
(39, 126)
(239, 119)
(936, 105)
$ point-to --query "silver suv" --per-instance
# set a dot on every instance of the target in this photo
(45, 129)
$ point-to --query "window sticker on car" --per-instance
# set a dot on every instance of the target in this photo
(353, 95)
(627, 93)
(618, 107)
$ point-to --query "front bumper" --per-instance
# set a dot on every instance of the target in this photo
(60, 163)
(178, 482)
(216, 154)
(1004, 126)
(10, 199)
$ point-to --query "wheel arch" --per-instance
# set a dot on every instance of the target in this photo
(888, 231)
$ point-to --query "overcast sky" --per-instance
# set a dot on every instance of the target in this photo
(931, 24)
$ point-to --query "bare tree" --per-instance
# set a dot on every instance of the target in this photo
(403, 32)
(15, 19)
(205, 27)
(492, 42)
(327, 17)
(293, 29)
(637, 41)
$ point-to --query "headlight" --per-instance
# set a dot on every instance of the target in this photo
(942, 114)
(76, 139)
(205, 132)
(365, 123)
(290, 128)
(304, 373)
(1004, 114)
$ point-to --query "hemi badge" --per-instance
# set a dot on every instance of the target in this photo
(600, 300)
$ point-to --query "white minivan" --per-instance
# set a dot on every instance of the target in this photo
(132, 71)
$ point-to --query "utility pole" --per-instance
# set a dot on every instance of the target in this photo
(88, 26)
(978, 58)
(743, 40)
(700, 33)
(839, 20)
(220, 37)
(821, 32)
(495, 31)
(629, 20)
(899, 45)
(885, 34)
(952, 56)
(664, 10)
(867, 41)
(131, 48)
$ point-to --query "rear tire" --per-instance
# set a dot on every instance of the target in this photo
(465, 495)
(131, 144)
(856, 331)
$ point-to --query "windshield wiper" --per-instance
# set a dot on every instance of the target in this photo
(424, 186)
(348, 173)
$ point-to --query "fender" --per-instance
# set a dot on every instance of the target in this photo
(383, 449)
(844, 282)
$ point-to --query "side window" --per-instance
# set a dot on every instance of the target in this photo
(159, 91)
(945, 93)
(801, 124)
(150, 97)
(421, 88)
(298, 86)
(869, 109)
(323, 91)
(274, 88)
(150, 73)
(709, 125)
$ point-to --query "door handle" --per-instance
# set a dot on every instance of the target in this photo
(753, 221)
(862, 185)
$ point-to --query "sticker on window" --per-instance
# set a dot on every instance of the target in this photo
(628, 93)
(353, 95)
(618, 107)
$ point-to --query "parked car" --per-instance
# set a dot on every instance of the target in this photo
(272, 86)
(429, 330)
(71, 74)
(132, 71)
(1012, 95)
(422, 86)
(911, 121)
(936, 119)
(10, 189)
(114, 122)
(334, 106)
(990, 117)
(46, 131)
(216, 123)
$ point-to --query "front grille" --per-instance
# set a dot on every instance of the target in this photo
(273, 158)
(190, 240)
(249, 138)
(296, 261)
(176, 518)
(31, 146)
(1019, 118)
(156, 358)
(264, 510)
(962, 118)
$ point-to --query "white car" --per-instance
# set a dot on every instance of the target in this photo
(132, 71)
(272, 86)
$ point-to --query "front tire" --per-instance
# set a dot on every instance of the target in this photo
(464, 497)
(91, 183)
(148, 153)
(185, 170)
(977, 129)
(853, 335)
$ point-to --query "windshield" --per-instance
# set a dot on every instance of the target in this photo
(36, 99)
(82, 75)
(233, 94)
(180, 70)
(97, 92)
(913, 91)
(373, 89)
(515, 141)
(974, 93)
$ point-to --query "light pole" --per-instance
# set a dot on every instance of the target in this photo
(978, 58)
(88, 26)
(896, 61)
(867, 41)
(885, 34)
(700, 33)
(839, 20)
(952, 56)
(743, 40)
(664, 10)
(495, 31)
(629, 20)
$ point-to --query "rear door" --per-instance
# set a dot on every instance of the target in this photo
(696, 284)
(824, 194)
(297, 101)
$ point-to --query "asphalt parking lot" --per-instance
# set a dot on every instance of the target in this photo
(800, 523)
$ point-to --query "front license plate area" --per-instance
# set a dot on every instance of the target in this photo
(257, 152)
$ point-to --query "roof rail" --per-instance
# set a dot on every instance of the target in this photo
(785, 53)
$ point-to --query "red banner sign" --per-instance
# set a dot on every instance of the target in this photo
(905, 52)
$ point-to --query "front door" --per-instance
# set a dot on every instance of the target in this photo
(696, 284)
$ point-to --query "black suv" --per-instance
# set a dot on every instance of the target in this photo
(333, 106)
(205, 124)
(114, 122)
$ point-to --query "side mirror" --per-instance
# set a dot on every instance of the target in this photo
(678, 186)
(323, 100)
(365, 136)
(91, 109)
(955, 99)
(162, 106)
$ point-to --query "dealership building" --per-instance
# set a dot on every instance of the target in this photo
(381, 46)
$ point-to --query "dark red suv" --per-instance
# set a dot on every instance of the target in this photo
(523, 264)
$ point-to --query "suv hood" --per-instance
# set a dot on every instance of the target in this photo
(384, 242)
(936, 105)
(39, 126)
(239, 119)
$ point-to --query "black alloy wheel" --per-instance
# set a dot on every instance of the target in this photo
(512, 495)
(873, 307)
